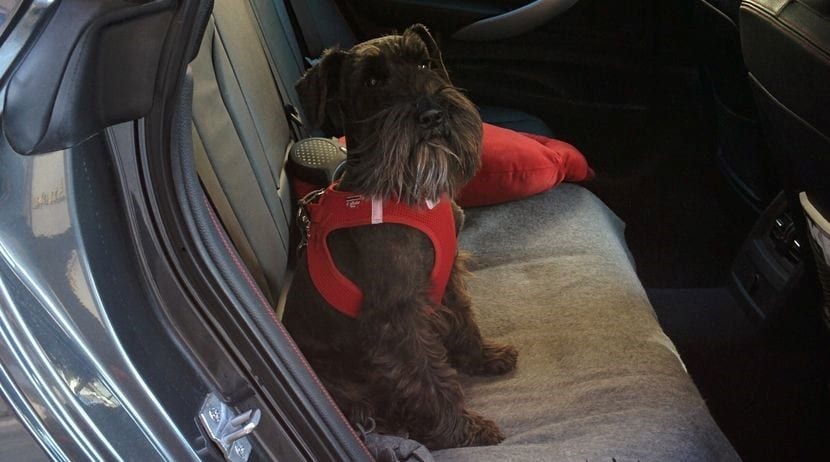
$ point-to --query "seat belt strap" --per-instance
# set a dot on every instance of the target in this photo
(819, 227)
(308, 29)
(292, 114)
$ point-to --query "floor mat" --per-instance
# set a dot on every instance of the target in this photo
(767, 391)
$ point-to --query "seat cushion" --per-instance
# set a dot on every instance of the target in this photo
(597, 378)
(727, 7)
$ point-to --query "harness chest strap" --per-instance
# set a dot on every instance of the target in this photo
(339, 209)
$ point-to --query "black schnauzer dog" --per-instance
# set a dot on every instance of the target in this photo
(412, 137)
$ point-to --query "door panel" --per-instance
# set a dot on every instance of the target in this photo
(468, 19)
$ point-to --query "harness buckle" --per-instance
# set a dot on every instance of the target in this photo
(303, 219)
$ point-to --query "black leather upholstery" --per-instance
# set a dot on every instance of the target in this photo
(727, 7)
(514, 120)
(720, 52)
(239, 126)
(743, 154)
(822, 7)
(786, 46)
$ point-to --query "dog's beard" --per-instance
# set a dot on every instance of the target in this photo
(397, 159)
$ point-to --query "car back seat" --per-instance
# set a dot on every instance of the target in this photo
(240, 139)
(323, 26)
(597, 379)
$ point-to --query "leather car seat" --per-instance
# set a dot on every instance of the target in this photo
(743, 155)
(323, 25)
(786, 46)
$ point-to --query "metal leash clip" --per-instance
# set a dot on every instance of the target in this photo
(303, 220)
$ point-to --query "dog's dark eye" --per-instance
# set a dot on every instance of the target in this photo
(371, 82)
(425, 65)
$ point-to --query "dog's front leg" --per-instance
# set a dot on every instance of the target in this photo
(467, 350)
(410, 372)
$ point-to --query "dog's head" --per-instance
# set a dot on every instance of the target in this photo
(410, 133)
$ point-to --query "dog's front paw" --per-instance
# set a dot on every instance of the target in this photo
(498, 359)
(482, 431)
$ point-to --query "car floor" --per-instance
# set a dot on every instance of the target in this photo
(766, 389)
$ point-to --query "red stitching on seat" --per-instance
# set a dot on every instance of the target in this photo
(273, 316)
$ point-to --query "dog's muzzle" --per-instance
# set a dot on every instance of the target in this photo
(430, 118)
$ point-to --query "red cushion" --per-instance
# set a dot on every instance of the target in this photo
(513, 165)
(516, 165)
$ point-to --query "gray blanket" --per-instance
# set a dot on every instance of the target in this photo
(597, 378)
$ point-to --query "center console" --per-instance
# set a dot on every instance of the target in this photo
(770, 266)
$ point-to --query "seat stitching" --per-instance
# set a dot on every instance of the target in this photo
(218, 38)
(245, 235)
(279, 325)
(245, 98)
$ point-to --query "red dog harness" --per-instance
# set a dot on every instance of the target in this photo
(339, 209)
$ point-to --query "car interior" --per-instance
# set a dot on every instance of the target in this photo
(657, 95)
(675, 307)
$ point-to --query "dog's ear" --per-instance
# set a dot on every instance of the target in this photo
(432, 47)
(320, 84)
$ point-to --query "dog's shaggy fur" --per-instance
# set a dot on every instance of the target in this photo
(411, 136)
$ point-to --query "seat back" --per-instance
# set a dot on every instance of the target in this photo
(243, 77)
(786, 45)
(241, 133)
(716, 27)
(322, 25)
(742, 150)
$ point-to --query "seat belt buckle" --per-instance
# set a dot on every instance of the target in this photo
(294, 119)
(293, 114)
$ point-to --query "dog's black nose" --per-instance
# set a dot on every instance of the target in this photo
(430, 118)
